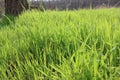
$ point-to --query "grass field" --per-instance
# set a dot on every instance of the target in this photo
(61, 45)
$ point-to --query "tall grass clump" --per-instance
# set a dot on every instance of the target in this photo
(61, 45)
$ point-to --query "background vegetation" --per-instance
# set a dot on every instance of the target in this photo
(61, 45)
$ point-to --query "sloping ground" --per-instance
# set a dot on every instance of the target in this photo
(61, 45)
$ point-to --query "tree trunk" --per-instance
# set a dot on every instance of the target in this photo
(15, 7)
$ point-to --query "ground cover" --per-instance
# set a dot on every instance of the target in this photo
(61, 45)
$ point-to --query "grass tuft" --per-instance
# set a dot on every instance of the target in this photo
(61, 45)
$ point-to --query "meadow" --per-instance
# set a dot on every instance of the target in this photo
(61, 45)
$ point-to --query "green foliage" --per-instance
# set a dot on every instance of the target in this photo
(61, 45)
(6, 20)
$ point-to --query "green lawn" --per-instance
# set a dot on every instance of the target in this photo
(61, 45)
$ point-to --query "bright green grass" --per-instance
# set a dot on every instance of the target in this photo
(61, 45)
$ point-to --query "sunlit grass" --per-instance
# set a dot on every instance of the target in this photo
(61, 45)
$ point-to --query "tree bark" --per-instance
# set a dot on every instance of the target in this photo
(15, 7)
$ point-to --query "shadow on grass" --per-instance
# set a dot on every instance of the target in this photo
(6, 20)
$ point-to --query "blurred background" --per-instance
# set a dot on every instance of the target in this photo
(67, 4)
(74, 4)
